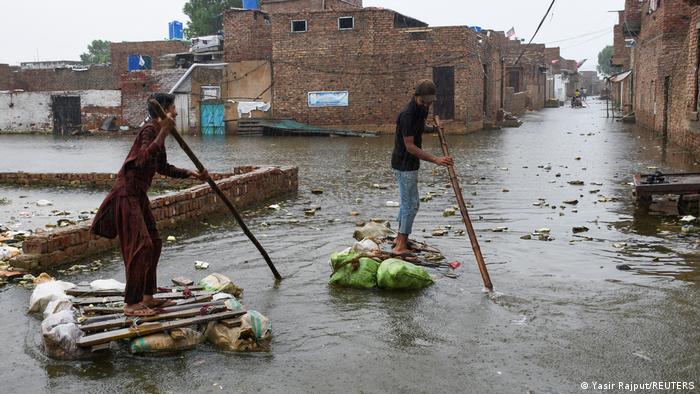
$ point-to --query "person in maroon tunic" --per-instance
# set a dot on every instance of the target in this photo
(126, 211)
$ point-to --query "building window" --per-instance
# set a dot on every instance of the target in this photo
(346, 23)
(299, 26)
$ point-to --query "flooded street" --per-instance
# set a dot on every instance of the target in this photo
(562, 313)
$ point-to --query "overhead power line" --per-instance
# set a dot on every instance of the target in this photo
(581, 36)
(536, 31)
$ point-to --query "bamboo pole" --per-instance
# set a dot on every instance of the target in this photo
(200, 167)
(463, 209)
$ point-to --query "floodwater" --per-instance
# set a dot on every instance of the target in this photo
(562, 314)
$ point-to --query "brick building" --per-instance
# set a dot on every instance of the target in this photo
(150, 51)
(529, 74)
(590, 81)
(373, 57)
(286, 6)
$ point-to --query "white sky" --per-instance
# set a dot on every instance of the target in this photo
(62, 29)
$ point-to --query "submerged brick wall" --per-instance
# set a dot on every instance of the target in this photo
(92, 180)
(251, 187)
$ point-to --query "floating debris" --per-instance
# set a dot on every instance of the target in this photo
(449, 212)
(43, 203)
(439, 232)
(380, 187)
(594, 191)
(317, 191)
(201, 265)
(500, 229)
(275, 207)
(688, 219)
(310, 212)
(392, 204)
(354, 213)
(619, 245)
(581, 229)
(571, 202)
(526, 237)
(576, 183)
(623, 267)
(171, 238)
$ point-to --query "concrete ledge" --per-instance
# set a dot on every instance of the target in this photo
(249, 187)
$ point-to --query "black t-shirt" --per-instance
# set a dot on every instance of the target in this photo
(410, 123)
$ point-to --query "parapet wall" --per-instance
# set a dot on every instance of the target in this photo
(251, 186)
(95, 180)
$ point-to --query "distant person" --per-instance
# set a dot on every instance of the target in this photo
(126, 212)
(405, 160)
(584, 94)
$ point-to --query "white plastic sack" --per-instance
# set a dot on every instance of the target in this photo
(222, 296)
(107, 284)
(258, 322)
(47, 292)
(56, 306)
(8, 252)
(366, 245)
(60, 334)
(219, 283)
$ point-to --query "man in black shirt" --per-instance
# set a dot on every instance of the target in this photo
(408, 152)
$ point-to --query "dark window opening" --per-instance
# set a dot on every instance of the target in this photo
(514, 80)
(418, 35)
(299, 26)
(346, 23)
(403, 22)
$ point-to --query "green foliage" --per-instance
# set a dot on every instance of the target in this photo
(98, 53)
(604, 58)
(205, 16)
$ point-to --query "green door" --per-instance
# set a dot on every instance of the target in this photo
(212, 118)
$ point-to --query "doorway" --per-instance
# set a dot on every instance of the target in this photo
(66, 114)
(444, 78)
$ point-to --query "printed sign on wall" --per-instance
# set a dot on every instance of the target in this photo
(328, 99)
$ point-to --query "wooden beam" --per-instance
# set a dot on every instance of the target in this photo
(152, 328)
(125, 321)
(159, 296)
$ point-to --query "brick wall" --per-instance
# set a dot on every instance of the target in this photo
(68, 244)
(5, 77)
(660, 53)
(120, 52)
(98, 77)
(248, 36)
(375, 62)
(92, 180)
(531, 67)
(290, 6)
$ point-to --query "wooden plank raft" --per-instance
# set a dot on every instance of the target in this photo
(105, 311)
(160, 296)
(152, 328)
(86, 291)
(648, 185)
(169, 309)
(125, 321)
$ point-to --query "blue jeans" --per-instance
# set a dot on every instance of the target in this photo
(410, 201)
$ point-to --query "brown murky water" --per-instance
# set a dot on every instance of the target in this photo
(563, 314)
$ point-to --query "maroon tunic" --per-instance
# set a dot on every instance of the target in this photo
(126, 212)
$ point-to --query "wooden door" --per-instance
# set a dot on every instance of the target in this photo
(444, 78)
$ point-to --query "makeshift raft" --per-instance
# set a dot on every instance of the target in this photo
(87, 318)
(648, 185)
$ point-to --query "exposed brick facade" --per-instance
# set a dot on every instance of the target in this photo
(251, 187)
(287, 6)
(529, 74)
(249, 36)
(98, 77)
(92, 180)
(120, 52)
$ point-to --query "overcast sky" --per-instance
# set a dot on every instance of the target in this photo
(62, 29)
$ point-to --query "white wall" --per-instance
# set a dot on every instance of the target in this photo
(31, 111)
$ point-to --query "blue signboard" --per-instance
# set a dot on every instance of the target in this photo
(328, 99)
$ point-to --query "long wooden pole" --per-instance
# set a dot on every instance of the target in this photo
(200, 167)
(463, 209)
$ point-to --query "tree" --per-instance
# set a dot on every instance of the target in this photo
(205, 16)
(98, 53)
(604, 58)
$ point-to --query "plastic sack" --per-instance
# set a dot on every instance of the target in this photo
(60, 335)
(107, 284)
(360, 276)
(252, 335)
(374, 231)
(8, 252)
(366, 245)
(339, 259)
(47, 292)
(164, 343)
(400, 275)
(56, 306)
(219, 283)
(233, 305)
